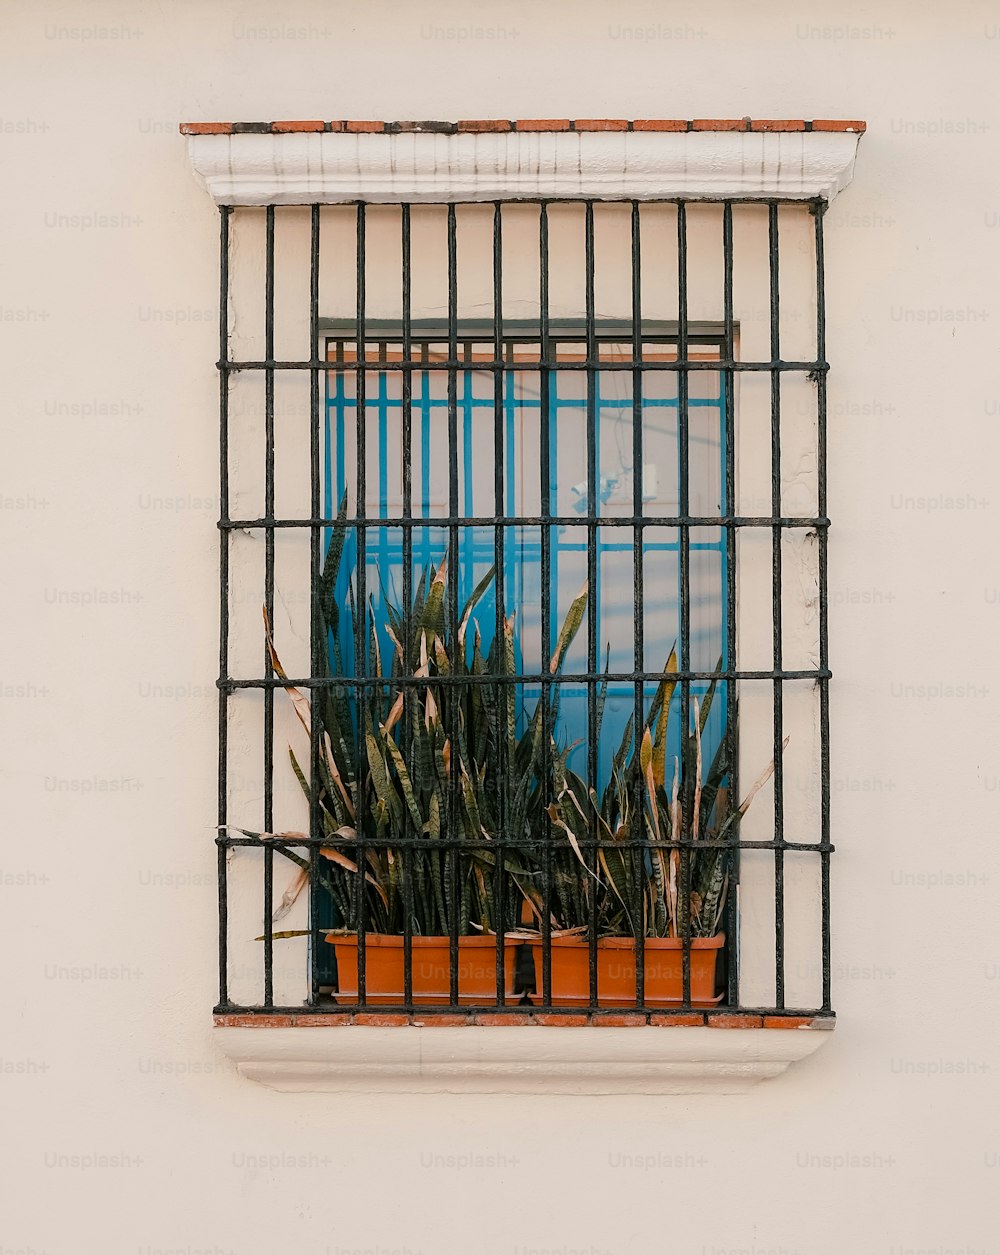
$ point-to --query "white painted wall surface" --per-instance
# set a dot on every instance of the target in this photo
(125, 1131)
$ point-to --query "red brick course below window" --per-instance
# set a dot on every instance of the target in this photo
(524, 1019)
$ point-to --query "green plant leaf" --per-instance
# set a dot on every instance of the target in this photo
(432, 618)
(665, 696)
(477, 594)
(404, 779)
(569, 629)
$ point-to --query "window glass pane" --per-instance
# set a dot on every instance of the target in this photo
(561, 420)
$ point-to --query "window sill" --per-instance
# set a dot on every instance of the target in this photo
(623, 1055)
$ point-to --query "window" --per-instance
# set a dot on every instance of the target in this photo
(545, 520)
(529, 412)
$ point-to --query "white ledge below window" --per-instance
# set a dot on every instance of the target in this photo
(505, 1060)
(415, 167)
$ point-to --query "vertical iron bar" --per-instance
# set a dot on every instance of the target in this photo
(269, 602)
(499, 538)
(317, 640)
(361, 624)
(638, 613)
(686, 790)
(453, 698)
(775, 376)
(729, 511)
(222, 817)
(592, 574)
(408, 857)
(545, 540)
(824, 645)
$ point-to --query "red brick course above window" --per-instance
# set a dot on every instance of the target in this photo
(524, 125)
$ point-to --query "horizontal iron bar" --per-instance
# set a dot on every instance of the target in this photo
(576, 520)
(546, 678)
(333, 1008)
(458, 364)
(462, 843)
(554, 202)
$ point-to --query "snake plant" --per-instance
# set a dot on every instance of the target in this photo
(428, 752)
(671, 896)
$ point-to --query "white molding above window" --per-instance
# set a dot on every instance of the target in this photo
(414, 167)
(506, 1060)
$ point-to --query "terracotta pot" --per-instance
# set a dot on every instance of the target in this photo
(431, 966)
(662, 968)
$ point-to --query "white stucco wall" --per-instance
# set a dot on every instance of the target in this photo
(125, 1131)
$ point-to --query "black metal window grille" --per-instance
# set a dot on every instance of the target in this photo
(589, 348)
